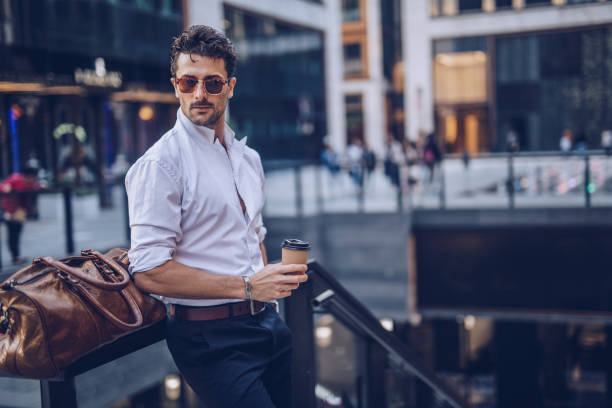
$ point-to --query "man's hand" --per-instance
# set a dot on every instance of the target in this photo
(274, 281)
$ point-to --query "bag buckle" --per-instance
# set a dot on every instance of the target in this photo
(252, 308)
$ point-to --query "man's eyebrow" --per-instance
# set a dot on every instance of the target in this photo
(214, 77)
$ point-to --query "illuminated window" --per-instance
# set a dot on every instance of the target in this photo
(352, 59)
(350, 10)
(460, 77)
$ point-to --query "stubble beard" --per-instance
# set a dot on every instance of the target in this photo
(209, 120)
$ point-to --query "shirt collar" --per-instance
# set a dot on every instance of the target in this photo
(206, 133)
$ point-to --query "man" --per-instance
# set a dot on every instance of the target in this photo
(195, 202)
(16, 206)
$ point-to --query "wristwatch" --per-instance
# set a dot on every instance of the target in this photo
(247, 284)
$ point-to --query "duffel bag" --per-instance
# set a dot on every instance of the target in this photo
(55, 311)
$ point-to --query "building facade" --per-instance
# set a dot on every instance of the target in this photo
(288, 98)
(483, 72)
(372, 87)
(82, 85)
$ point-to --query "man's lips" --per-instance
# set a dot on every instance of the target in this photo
(201, 107)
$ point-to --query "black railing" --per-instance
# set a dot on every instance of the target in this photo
(487, 180)
(323, 294)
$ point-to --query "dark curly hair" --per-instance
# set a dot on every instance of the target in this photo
(205, 41)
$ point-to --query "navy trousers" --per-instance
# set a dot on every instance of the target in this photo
(242, 361)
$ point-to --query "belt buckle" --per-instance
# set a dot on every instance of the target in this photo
(252, 308)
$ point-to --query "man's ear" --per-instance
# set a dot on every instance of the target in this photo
(231, 84)
(173, 82)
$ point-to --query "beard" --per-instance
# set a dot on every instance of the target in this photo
(208, 119)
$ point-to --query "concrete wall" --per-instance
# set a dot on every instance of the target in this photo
(420, 30)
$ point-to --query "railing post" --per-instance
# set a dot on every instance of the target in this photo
(299, 317)
(319, 185)
(58, 394)
(299, 198)
(68, 228)
(510, 183)
(375, 374)
(442, 186)
(587, 181)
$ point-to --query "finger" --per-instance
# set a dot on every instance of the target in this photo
(292, 268)
(284, 294)
(295, 279)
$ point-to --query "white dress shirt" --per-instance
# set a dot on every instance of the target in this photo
(183, 205)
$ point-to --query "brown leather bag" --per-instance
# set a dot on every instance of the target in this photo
(55, 311)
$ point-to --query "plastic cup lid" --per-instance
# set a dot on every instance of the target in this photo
(296, 244)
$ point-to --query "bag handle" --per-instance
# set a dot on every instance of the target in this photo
(127, 296)
(78, 274)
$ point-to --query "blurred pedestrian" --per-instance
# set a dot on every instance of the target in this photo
(431, 155)
(394, 157)
(512, 141)
(330, 159)
(606, 141)
(581, 142)
(16, 206)
(368, 159)
(565, 143)
(354, 159)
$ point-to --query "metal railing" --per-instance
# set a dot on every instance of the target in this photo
(493, 180)
(379, 354)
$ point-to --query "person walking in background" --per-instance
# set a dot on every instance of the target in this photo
(368, 160)
(565, 143)
(354, 161)
(431, 155)
(195, 203)
(17, 205)
(606, 141)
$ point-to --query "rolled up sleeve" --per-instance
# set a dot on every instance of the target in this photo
(154, 203)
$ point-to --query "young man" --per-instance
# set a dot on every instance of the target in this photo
(195, 202)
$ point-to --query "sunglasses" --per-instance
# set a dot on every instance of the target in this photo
(213, 86)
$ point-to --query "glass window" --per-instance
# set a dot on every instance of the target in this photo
(354, 117)
(470, 5)
(460, 77)
(351, 10)
(503, 4)
(352, 59)
(537, 2)
(279, 102)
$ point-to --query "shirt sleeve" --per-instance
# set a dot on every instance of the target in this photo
(260, 229)
(154, 203)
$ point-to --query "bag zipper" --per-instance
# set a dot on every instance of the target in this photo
(8, 285)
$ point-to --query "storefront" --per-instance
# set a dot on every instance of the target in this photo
(82, 92)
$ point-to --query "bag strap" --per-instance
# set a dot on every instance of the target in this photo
(127, 296)
(78, 274)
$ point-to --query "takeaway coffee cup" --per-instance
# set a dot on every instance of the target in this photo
(295, 251)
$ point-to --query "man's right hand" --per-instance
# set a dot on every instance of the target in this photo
(274, 281)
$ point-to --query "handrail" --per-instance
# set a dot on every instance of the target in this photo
(324, 292)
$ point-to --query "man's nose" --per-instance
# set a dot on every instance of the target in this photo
(200, 91)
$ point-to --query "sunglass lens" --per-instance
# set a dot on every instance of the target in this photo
(187, 85)
(214, 86)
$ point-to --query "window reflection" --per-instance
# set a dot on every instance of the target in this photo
(279, 100)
